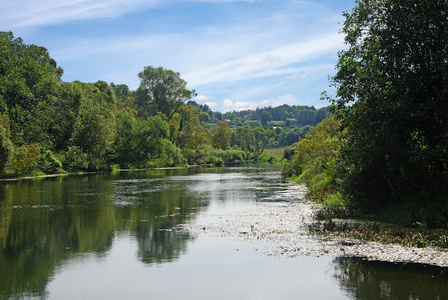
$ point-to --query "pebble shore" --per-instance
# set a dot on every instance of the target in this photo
(281, 229)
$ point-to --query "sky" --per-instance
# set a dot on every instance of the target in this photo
(236, 54)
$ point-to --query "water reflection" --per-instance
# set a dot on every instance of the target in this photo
(48, 225)
(363, 279)
(47, 222)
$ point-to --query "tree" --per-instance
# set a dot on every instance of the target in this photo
(27, 76)
(162, 91)
(6, 148)
(265, 118)
(142, 142)
(221, 136)
(262, 138)
(392, 90)
(95, 125)
(188, 134)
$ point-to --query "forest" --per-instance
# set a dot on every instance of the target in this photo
(51, 126)
(384, 152)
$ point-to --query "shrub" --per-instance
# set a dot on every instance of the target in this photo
(25, 159)
(49, 163)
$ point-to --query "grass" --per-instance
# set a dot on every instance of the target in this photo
(382, 233)
(272, 155)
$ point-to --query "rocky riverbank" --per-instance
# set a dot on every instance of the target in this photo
(283, 229)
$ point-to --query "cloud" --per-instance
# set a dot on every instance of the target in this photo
(299, 75)
(204, 98)
(227, 105)
(270, 57)
(31, 13)
(212, 105)
(254, 65)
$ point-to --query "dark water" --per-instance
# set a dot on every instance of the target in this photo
(115, 236)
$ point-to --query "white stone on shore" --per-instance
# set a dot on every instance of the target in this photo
(282, 229)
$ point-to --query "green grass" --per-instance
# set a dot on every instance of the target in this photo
(272, 155)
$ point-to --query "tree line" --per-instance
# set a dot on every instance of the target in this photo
(384, 153)
(48, 125)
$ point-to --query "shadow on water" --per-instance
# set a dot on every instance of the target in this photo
(362, 279)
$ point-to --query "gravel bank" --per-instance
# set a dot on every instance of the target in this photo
(281, 229)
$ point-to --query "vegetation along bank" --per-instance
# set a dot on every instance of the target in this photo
(49, 126)
(383, 155)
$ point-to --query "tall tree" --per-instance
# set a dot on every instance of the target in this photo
(221, 136)
(392, 88)
(162, 91)
(266, 117)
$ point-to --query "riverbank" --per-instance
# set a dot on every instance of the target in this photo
(283, 229)
(95, 172)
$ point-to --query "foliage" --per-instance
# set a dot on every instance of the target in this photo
(266, 117)
(94, 130)
(187, 132)
(162, 91)
(6, 147)
(253, 140)
(289, 136)
(49, 163)
(75, 159)
(315, 159)
(221, 136)
(392, 86)
(93, 126)
(272, 155)
(25, 158)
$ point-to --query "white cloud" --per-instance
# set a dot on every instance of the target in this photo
(299, 75)
(293, 76)
(212, 105)
(270, 57)
(204, 98)
(242, 54)
(254, 66)
(227, 105)
(31, 13)
(265, 103)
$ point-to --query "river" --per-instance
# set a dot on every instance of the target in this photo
(146, 235)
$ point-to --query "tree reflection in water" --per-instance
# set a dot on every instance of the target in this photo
(367, 280)
(45, 224)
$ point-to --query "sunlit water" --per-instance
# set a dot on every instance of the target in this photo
(117, 236)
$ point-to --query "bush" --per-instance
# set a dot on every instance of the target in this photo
(49, 163)
(25, 159)
(75, 159)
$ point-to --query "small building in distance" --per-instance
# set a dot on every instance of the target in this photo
(291, 122)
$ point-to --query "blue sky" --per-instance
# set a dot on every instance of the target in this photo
(235, 54)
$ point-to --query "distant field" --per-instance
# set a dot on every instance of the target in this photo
(275, 153)
(277, 123)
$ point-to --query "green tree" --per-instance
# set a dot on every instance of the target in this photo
(265, 118)
(162, 91)
(243, 138)
(315, 158)
(392, 90)
(143, 142)
(262, 138)
(27, 76)
(221, 136)
(95, 126)
(6, 147)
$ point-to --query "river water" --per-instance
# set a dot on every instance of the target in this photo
(122, 236)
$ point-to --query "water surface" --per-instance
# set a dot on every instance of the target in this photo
(116, 236)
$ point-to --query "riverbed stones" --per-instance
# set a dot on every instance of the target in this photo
(281, 229)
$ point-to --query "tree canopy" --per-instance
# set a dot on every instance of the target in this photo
(392, 96)
(162, 91)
